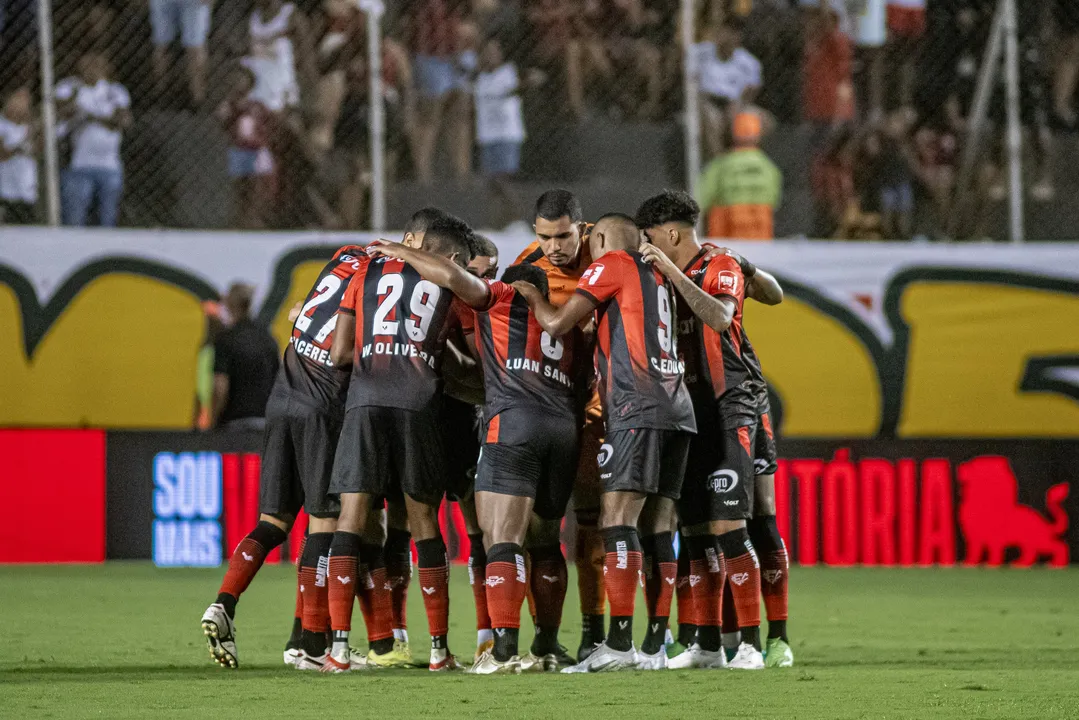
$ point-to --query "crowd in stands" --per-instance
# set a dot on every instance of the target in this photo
(881, 88)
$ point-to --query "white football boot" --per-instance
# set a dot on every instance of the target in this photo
(694, 657)
(220, 634)
(293, 656)
(652, 662)
(487, 665)
(747, 658)
(605, 659)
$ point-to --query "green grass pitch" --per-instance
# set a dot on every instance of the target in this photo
(123, 640)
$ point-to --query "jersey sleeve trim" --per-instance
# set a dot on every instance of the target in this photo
(585, 293)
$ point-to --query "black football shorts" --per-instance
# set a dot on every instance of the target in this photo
(644, 460)
(298, 451)
(719, 478)
(530, 453)
(764, 449)
(460, 424)
(386, 451)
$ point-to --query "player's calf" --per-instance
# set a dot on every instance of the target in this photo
(477, 578)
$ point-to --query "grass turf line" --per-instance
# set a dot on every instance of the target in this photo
(123, 640)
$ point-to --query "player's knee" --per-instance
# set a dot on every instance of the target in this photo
(764, 495)
(423, 519)
(543, 532)
(279, 520)
(323, 524)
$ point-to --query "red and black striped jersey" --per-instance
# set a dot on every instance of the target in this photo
(522, 364)
(716, 371)
(307, 371)
(637, 346)
(402, 322)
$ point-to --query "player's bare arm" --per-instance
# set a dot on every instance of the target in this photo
(717, 313)
(555, 320)
(344, 339)
(764, 288)
(442, 271)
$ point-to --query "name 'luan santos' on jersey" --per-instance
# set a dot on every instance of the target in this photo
(716, 370)
(522, 364)
(307, 371)
(402, 322)
(637, 347)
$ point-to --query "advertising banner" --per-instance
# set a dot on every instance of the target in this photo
(186, 499)
(873, 340)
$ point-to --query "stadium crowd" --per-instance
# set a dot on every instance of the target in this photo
(883, 86)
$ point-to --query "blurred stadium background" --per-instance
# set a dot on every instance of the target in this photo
(925, 370)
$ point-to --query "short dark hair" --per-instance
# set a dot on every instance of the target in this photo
(483, 245)
(422, 219)
(554, 204)
(529, 273)
(448, 235)
(669, 206)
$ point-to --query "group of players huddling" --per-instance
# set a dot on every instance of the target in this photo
(369, 427)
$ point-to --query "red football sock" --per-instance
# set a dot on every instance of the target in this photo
(744, 576)
(314, 566)
(374, 593)
(660, 572)
(774, 569)
(709, 592)
(548, 581)
(506, 583)
(344, 576)
(248, 558)
(434, 582)
(589, 556)
(477, 578)
(398, 554)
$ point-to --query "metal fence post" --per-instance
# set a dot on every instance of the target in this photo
(1015, 130)
(48, 113)
(689, 84)
(374, 10)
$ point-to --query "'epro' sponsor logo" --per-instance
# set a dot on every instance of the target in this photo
(187, 506)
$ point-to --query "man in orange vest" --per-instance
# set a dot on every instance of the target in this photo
(740, 190)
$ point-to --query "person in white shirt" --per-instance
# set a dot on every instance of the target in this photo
(728, 77)
(18, 166)
(500, 128)
(95, 111)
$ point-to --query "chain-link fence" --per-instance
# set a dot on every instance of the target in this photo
(822, 118)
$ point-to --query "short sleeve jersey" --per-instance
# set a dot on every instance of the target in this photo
(716, 370)
(307, 371)
(523, 366)
(402, 322)
(637, 345)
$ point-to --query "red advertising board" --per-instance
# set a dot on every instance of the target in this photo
(56, 477)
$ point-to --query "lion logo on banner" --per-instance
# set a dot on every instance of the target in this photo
(993, 520)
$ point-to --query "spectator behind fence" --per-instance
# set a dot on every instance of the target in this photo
(740, 190)
(827, 88)
(500, 128)
(94, 112)
(190, 21)
(18, 160)
(245, 365)
(250, 126)
(730, 77)
(434, 29)
(1066, 18)
(279, 53)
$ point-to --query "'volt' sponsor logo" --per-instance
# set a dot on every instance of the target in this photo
(187, 508)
